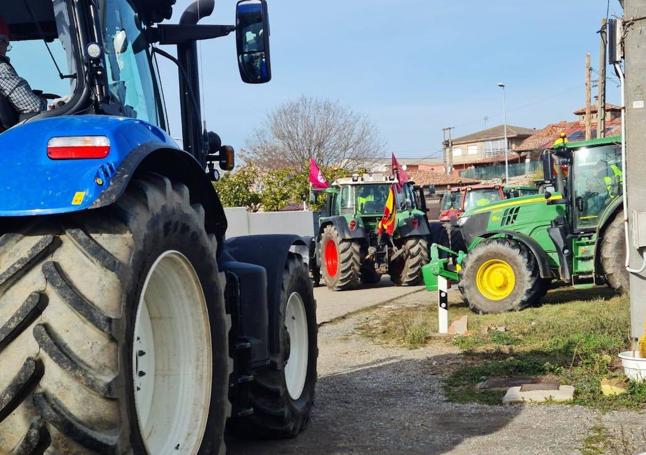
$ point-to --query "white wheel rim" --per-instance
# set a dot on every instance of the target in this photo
(172, 347)
(296, 324)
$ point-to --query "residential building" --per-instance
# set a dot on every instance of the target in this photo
(383, 165)
(533, 146)
(488, 146)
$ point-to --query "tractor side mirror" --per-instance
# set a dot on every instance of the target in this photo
(252, 38)
(548, 166)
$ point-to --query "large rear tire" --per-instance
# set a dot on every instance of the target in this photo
(282, 394)
(613, 255)
(501, 275)
(414, 257)
(340, 260)
(113, 331)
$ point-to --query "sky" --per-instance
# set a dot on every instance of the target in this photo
(413, 67)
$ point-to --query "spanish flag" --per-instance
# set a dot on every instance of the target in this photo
(389, 220)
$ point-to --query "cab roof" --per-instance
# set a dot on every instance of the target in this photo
(594, 142)
(23, 25)
(366, 179)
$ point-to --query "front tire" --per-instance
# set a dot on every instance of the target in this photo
(282, 394)
(80, 356)
(340, 260)
(501, 275)
(415, 256)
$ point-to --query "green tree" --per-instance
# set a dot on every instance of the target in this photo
(281, 187)
(237, 189)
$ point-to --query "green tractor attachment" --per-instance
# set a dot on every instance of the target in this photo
(573, 233)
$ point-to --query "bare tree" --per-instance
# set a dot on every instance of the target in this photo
(327, 131)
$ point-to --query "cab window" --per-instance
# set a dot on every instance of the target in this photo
(597, 181)
(130, 75)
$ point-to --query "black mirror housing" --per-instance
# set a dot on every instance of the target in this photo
(252, 39)
(548, 166)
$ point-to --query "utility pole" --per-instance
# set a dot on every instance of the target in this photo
(448, 149)
(504, 114)
(588, 102)
(635, 165)
(601, 99)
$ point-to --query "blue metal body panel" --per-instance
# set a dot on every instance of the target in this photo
(33, 184)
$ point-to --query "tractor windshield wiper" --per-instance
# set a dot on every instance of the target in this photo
(44, 38)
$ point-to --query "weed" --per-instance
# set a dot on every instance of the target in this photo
(577, 342)
(596, 442)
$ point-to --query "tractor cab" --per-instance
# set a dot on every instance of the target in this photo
(44, 51)
(451, 205)
(589, 177)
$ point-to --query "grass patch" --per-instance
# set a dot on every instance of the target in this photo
(596, 443)
(577, 342)
(601, 441)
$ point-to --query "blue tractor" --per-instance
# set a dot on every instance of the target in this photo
(128, 322)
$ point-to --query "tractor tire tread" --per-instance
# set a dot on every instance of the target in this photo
(613, 255)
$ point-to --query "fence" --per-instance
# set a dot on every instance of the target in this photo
(241, 222)
(498, 170)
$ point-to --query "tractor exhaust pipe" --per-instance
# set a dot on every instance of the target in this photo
(197, 11)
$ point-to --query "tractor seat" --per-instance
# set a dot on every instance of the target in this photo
(8, 115)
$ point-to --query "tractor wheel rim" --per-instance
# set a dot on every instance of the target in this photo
(496, 279)
(296, 366)
(331, 258)
(172, 358)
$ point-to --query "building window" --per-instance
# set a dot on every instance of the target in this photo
(472, 150)
(496, 147)
(457, 152)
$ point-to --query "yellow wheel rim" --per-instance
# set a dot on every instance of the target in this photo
(495, 279)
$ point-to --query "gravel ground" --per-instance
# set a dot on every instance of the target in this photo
(374, 399)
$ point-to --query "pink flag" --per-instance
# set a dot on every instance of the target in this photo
(399, 172)
(317, 179)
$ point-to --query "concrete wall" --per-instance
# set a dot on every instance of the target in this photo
(242, 222)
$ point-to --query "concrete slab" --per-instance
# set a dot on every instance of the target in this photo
(332, 305)
(459, 326)
(515, 395)
(501, 384)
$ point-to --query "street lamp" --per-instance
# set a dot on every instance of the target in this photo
(504, 113)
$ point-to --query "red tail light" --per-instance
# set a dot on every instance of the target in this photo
(78, 147)
(414, 222)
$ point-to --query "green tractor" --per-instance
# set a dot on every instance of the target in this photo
(574, 233)
(347, 248)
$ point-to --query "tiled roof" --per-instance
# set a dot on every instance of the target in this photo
(497, 132)
(434, 178)
(575, 131)
(593, 109)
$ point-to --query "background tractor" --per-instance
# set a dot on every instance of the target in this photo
(128, 322)
(347, 247)
(574, 234)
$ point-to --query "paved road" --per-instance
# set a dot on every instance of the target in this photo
(332, 305)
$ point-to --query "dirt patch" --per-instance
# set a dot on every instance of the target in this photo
(374, 398)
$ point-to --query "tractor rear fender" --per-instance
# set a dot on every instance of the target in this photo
(415, 226)
(533, 246)
(179, 166)
(341, 225)
(270, 253)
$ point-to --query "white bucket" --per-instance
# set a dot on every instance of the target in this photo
(634, 365)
